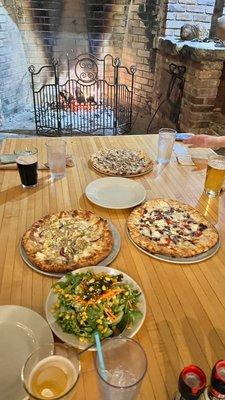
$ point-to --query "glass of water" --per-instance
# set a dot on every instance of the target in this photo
(125, 365)
(165, 145)
(56, 156)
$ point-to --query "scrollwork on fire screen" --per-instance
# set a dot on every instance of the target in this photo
(86, 70)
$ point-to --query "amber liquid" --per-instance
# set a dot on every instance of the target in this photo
(52, 378)
(215, 176)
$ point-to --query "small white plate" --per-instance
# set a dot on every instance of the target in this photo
(73, 340)
(21, 332)
(117, 193)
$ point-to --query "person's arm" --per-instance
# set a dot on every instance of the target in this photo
(213, 142)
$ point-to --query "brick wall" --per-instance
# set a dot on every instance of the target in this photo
(128, 29)
(180, 12)
(50, 29)
(200, 91)
(14, 79)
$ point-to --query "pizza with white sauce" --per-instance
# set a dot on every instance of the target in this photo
(68, 240)
(171, 228)
(121, 162)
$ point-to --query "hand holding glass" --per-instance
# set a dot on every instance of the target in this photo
(56, 154)
(51, 372)
(165, 145)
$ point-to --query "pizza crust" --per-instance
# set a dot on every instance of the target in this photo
(68, 240)
(162, 243)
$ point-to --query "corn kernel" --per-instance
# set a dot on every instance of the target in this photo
(100, 328)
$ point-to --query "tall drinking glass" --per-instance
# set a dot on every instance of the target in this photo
(125, 365)
(165, 145)
(56, 156)
(51, 372)
(215, 175)
(27, 160)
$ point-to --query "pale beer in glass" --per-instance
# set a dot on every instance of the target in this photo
(215, 175)
(51, 372)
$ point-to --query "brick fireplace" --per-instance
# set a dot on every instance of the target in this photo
(141, 32)
(202, 98)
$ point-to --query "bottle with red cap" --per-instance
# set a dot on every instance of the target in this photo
(216, 389)
(191, 383)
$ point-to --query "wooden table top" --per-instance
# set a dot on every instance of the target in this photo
(185, 320)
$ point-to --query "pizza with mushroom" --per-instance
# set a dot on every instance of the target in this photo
(68, 240)
(121, 162)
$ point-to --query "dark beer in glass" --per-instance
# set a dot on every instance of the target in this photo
(27, 166)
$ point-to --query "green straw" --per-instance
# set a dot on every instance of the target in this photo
(100, 356)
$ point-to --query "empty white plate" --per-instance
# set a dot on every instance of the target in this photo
(115, 192)
(21, 332)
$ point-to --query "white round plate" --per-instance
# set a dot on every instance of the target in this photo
(74, 340)
(117, 193)
(21, 332)
(106, 261)
(180, 260)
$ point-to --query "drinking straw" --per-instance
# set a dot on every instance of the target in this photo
(100, 356)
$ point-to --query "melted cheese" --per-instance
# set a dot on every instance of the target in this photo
(176, 224)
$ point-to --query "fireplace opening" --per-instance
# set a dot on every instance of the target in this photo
(89, 97)
(145, 33)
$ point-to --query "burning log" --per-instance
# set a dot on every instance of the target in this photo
(79, 95)
(66, 96)
(91, 99)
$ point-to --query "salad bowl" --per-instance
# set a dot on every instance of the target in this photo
(128, 330)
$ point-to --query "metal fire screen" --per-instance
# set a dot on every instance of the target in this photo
(89, 99)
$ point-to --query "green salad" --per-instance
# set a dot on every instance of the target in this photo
(89, 302)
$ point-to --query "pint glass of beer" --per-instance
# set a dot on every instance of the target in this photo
(215, 175)
(27, 160)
